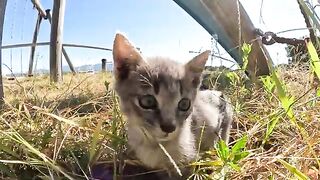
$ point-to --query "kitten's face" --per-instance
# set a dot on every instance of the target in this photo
(156, 95)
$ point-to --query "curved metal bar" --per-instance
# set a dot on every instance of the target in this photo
(229, 20)
(48, 43)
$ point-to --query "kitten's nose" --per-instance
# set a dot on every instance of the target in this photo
(167, 127)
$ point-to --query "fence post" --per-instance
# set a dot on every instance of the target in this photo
(3, 4)
(34, 41)
(56, 40)
(64, 52)
(103, 65)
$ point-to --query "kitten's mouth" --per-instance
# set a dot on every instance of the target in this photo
(165, 137)
(160, 136)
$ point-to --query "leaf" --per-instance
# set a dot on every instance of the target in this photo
(315, 62)
(240, 156)
(222, 150)
(237, 151)
(233, 77)
(286, 101)
(94, 141)
(270, 127)
(318, 92)
(67, 121)
(234, 166)
(293, 170)
(208, 163)
(246, 49)
(268, 83)
(310, 13)
(240, 144)
(271, 177)
(107, 85)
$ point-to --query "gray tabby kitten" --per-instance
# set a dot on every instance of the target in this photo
(163, 105)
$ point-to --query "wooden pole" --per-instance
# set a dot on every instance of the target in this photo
(37, 5)
(46, 15)
(64, 52)
(34, 41)
(103, 65)
(56, 40)
(3, 4)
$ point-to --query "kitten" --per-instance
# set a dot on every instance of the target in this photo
(163, 105)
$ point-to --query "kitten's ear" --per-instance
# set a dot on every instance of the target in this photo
(195, 67)
(126, 57)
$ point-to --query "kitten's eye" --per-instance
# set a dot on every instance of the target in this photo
(148, 102)
(184, 104)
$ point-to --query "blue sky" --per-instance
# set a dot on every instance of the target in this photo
(157, 27)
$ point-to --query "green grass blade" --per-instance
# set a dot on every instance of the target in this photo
(246, 49)
(240, 145)
(95, 138)
(310, 14)
(208, 163)
(314, 59)
(270, 127)
(67, 121)
(222, 150)
(294, 170)
(286, 102)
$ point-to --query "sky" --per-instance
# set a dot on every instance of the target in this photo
(158, 27)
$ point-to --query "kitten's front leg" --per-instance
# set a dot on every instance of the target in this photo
(225, 129)
(226, 120)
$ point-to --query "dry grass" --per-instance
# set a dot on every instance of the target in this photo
(55, 131)
(256, 112)
(57, 120)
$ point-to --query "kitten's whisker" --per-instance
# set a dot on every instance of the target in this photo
(200, 127)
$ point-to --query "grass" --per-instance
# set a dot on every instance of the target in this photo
(51, 130)
(61, 131)
(67, 131)
(274, 135)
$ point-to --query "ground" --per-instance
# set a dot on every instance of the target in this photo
(53, 131)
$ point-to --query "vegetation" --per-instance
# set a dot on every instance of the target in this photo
(55, 131)
(66, 131)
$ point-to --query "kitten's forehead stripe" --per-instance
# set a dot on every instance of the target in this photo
(156, 86)
(144, 79)
(161, 80)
